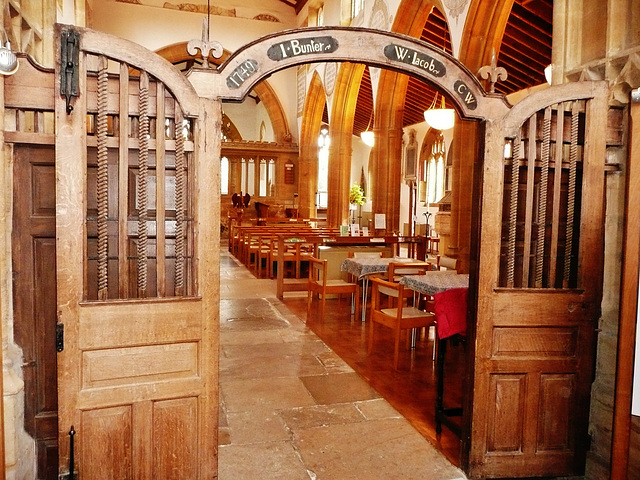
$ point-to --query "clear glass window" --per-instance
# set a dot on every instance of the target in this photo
(323, 168)
(224, 176)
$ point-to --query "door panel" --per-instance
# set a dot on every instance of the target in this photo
(34, 270)
(539, 285)
(138, 372)
(109, 431)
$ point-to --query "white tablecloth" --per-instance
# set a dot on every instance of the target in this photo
(437, 281)
(360, 267)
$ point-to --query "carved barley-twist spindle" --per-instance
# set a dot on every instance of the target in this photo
(143, 164)
(571, 200)
(544, 189)
(102, 181)
(513, 210)
(180, 203)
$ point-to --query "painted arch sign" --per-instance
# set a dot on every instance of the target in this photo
(258, 60)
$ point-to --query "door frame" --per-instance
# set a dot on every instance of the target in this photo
(272, 53)
(470, 99)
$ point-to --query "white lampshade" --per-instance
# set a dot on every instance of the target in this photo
(368, 138)
(8, 60)
(440, 118)
(548, 73)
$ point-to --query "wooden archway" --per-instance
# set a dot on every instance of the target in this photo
(260, 59)
(559, 340)
(253, 63)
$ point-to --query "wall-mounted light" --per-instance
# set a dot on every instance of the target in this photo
(8, 60)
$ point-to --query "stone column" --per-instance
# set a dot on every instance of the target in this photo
(386, 173)
(465, 156)
(339, 176)
(307, 178)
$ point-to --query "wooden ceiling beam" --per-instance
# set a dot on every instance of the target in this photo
(300, 5)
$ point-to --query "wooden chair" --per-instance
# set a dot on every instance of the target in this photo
(263, 255)
(399, 269)
(398, 318)
(447, 263)
(360, 281)
(319, 284)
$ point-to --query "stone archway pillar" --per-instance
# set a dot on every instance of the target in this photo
(386, 175)
(339, 176)
(341, 132)
(465, 156)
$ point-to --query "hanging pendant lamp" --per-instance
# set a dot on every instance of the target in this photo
(368, 137)
(440, 118)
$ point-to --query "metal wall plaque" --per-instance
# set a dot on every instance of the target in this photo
(243, 71)
(302, 46)
(413, 57)
(465, 94)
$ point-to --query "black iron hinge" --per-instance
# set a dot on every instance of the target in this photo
(69, 61)
(59, 337)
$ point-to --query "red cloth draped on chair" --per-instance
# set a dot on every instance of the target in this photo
(451, 312)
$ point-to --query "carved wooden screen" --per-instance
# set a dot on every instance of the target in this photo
(540, 226)
(139, 207)
(137, 284)
(539, 284)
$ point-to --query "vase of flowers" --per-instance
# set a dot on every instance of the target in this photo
(356, 199)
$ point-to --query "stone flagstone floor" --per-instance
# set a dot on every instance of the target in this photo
(291, 409)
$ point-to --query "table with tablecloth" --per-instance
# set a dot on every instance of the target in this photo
(437, 281)
(363, 267)
(450, 291)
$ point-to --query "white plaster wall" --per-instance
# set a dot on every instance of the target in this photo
(247, 117)
(155, 28)
(360, 160)
(284, 85)
(158, 27)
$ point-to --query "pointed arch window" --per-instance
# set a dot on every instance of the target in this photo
(224, 176)
(267, 177)
(356, 7)
(248, 184)
(323, 168)
(432, 172)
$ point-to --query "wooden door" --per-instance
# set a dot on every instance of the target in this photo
(539, 284)
(34, 282)
(137, 212)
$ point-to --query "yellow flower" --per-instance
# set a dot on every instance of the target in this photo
(356, 195)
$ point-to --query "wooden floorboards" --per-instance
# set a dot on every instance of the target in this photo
(412, 388)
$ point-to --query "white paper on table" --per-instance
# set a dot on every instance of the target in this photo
(380, 221)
